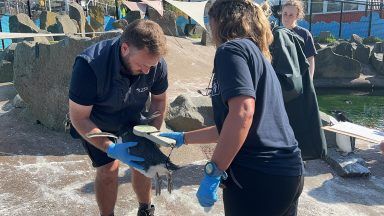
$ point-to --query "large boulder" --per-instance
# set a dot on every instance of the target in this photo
(76, 12)
(21, 23)
(90, 31)
(344, 48)
(47, 18)
(132, 16)
(189, 113)
(6, 63)
(42, 74)
(378, 47)
(96, 14)
(6, 71)
(167, 21)
(363, 53)
(377, 62)
(356, 39)
(63, 24)
(332, 65)
(206, 39)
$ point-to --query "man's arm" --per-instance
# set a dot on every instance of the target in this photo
(158, 103)
(79, 116)
(311, 61)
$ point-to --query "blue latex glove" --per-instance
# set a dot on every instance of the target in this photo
(121, 152)
(178, 136)
(207, 193)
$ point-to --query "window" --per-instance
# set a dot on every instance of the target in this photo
(333, 6)
(350, 6)
(317, 6)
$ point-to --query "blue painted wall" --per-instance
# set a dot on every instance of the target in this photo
(5, 28)
(360, 28)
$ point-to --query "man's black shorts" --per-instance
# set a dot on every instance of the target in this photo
(98, 157)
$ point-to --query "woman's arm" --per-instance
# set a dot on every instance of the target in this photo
(311, 61)
(204, 135)
(235, 130)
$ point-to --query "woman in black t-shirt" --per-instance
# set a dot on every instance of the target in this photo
(256, 157)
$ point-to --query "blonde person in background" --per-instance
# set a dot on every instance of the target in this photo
(292, 11)
(256, 157)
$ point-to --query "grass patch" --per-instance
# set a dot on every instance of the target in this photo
(371, 40)
(326, 40)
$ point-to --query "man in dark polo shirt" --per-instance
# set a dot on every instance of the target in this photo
(110, 85)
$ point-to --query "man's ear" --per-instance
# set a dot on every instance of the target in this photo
(124, 49)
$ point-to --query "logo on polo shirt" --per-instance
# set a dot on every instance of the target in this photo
(141, 90)
(215, 87)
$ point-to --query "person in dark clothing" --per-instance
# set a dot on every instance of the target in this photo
(256, 157)
(300, 101)
(110, 84)
(292, 11)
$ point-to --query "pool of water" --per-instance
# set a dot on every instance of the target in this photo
(361, 107)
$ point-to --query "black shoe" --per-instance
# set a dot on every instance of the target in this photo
(147, 212)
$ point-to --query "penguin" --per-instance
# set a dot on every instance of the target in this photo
(340, 116)
(345, 143)
(156, 164)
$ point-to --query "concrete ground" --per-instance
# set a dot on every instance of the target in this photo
(43, 172)
(47, 173)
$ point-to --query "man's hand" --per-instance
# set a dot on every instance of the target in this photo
(207, 193)
(177, 136)
(121, 152)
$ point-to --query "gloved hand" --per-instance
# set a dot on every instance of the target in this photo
(178, 136)
(207, 193)
(121, 152)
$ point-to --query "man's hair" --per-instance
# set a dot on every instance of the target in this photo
(298, 4)
(241, 19)
(145, 34)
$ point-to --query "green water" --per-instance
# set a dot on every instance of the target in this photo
(361, 107)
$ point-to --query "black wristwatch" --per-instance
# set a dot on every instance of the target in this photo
(211, 169)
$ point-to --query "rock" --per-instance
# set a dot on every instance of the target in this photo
(120, 24)
(6, 71)
(378, 47)
(63, 24)
(345, 49)
(77, 25)
(90, 30)
(356, 39)
(47, 18)
(18, 102)
(363, 53)
(206, 39)
(331, 65)
(318, 46)
(76, 12)
(97, 18)
(347, 166)
(189, 29)
(189, 113)
(167, 21)
(42, 74)
(377, 62)
(132, 16)
(21, 23)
